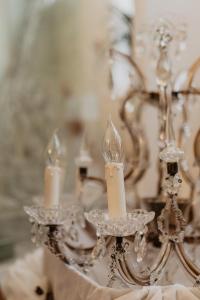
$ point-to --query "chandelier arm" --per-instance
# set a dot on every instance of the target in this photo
(58, 249)
(60, 252)
(137, 140)
(133, 136)
(125, 275)
(136, 136)
(162, 256)
(128, 174)
(132, 277)
(143, 158)
(78, 254)
(129, 276)
(131, 61)
(185, 172)
(189, 266)
(73, 248)
(152, 97)
(88, 250)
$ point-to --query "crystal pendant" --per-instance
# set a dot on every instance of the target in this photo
(137, 241)
(100, 248)
(142, 249)
(73, 233)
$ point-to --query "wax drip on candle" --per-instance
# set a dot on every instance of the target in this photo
(56, 151)
(112, 144)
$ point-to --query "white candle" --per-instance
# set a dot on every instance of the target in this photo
(113, 155)
(55, 169)
(115, 190)
(53, 186)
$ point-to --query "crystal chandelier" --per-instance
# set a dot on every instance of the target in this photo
(120, 233)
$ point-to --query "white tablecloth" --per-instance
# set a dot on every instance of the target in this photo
(70, 284)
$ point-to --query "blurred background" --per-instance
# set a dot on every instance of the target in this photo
(53, 73)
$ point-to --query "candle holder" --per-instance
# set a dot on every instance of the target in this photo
(50, 216)
(115, 236)
(134, 222)
(55, 224)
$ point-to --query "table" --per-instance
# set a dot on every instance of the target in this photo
(68, 283)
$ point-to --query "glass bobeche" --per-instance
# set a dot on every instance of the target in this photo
(134, 221)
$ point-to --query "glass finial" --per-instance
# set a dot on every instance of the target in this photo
(163, 69)
(112, 144)
(56, 150)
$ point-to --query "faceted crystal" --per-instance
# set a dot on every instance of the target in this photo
(163, 69)
(142, 249)
(163, 32)
(171, 153)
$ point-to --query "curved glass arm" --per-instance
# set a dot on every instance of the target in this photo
(138, 142)
(132, 277)
(191, 268)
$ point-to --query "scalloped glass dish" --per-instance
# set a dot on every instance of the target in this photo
(134, 222)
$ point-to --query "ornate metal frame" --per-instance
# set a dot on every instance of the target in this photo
(171, 223)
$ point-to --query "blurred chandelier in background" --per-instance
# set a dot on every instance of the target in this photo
(124, 242)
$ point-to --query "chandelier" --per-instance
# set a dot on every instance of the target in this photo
(122, 233)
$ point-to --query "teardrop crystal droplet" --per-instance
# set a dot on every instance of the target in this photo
(112, 144)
